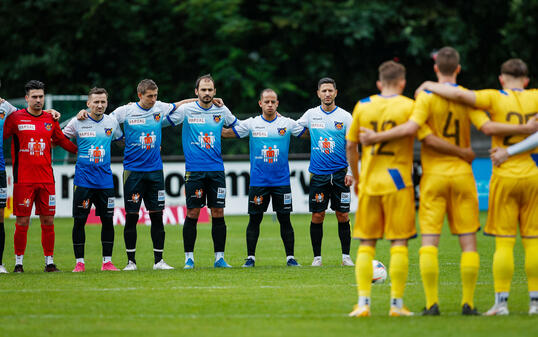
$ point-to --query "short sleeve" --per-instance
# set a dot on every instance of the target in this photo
(421, 110)
(70, 130)
(354, 129)
(423, 132)
(229, 119)
(303, 121)
(118, 134)
(478, 118)
(7, 108)
(243, 129)
(120, 113)
(347, 119)
(175, 117)
(296, 129)
(485, 98)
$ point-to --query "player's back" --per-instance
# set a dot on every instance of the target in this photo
(385, 167)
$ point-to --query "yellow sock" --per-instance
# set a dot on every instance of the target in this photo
(429, 270)
(531, 262)
(470, 262)
(364, 270)
(399, 265)
(503, 264)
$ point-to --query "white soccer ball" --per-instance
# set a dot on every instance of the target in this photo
(380, 272)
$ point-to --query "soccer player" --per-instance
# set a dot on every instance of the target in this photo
(385, 188)
(204, 170)
(499, 155)
(331, 176)
(513, 194)
(34, 132)
(93, 177)
(269, 141)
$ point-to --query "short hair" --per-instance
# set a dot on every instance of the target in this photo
(97, 91)
(146, 84)
(267, 90)
(515, 68)
(447, 60)
(34, 85)
(326, 80)
(390, 72)
(207, 77)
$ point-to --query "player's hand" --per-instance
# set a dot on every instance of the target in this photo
(2, 100)
(422, 87)
(82, 115)
(367, 136)
(348, 180)
(498, 155)
(55, 114)
(468, 154)
(533, 124)
(218, 101)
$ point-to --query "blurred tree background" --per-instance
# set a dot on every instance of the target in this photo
(250, 45)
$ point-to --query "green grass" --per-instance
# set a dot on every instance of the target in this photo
(269, 300)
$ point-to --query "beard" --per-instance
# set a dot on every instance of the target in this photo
(206, 99)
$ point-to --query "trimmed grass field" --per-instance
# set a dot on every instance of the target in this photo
(268, 300)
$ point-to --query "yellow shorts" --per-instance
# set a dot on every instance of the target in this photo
(513, 201)
(455, 196)
(390, 215)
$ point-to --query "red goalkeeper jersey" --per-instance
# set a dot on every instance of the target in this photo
(31, 147)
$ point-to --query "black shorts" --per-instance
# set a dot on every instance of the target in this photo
(147, 186)
(329, 186)
(3, 189)
(259, 197)
(84, 198)
(202, 186)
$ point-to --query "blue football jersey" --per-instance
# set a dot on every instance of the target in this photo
(93, 158)
(269, 145)
(327, 138)
(5, 110)
(142, 128)
(201, 135)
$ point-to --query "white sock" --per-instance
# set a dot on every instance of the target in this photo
(107, 259)
(81, 260)
(49, 260)
(251, 257)
(189, 255)
(289, 257)
(363, 300)
(344, 256)
(396, 302)
(18, 259)
(219, 255)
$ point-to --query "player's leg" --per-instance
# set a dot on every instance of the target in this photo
(215, 186)
(23, 200)
(282, 205)
(340, 202)
(319, 195)
(132, 196)
(45, 205)
(195, 195)
(469, 266)
(103, 200)
(258, 201)
(81, 208)
(3, 200)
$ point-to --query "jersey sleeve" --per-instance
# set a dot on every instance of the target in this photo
(478, 118)
(485, 98)
(243, 129)
(70, 130)
(303, 121)
(120, 114)
(118, 133)
(347, 120)
(59, 138)
(354, 130)
(423, 132)
(176, 116)
(296, 129)
(229, 119)
(7, 108)
(421, 111)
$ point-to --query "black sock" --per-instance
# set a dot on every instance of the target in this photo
(316, 235)
(286, 232)
(189, 234)
(218, 232)
(344, 232)
(157, 234)
(79, 237)
(2, 240)
(253, 232)
(129, 235)
(107, 235)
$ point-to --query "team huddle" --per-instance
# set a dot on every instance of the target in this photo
(380, 134)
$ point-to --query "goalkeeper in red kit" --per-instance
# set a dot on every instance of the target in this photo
(34, 132)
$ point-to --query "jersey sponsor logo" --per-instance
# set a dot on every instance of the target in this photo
(48, 126)
(287, 198)
(26, 127)
(86, 134)
(135, 197)
(257, 200)
(196, 120)
(110, 203)
(157, 117)
(281, 131)
(85, 203)
(199, 193)
(52, 200)
(217, 118)
(96, 154)
(160, 195)
(326, 145)
(319, 197)
(345, 197)
(108, 132)
(2, 115)
(270, 154)
(260, 134)
(136, 121)
(206, 141)
(338, 125)
(147, 140)
(317, 125)
(36, 148)
(221, 193)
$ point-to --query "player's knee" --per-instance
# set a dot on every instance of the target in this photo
(193, 213)
(468, 242)
(23, 221)
(318, 217)
(342, 217)
(47, 220)
(216, 212)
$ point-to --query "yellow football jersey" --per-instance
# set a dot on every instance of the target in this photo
(447, 120)
(385, 167)
(513, 107)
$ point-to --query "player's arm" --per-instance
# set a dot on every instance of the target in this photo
(352, 154)
(70, 131)
(306, 133)
(492, 128)
(449, 92)
(229, 133)
(60, 139)
(499, 155)
(217, 101)
(369, 136)
(442, 146)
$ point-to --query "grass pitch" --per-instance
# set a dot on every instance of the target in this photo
(268, 300)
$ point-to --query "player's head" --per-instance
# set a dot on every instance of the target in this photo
(268, 102)
(327, 90)
(147, 93)
(205, 88)
(35, 94)
(97, 101)
(514, 72)
(391, 75)
(447, 62)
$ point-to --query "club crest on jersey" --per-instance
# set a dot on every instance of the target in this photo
(338, 125)
(198, 193)
(217, 118)
(86, 203)
(108, 131)
(26, 202)
(258, 200)
(48, 126)
(282, 131)
(157, 117)
(135, 197)
(319, 197)
(2, 115)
